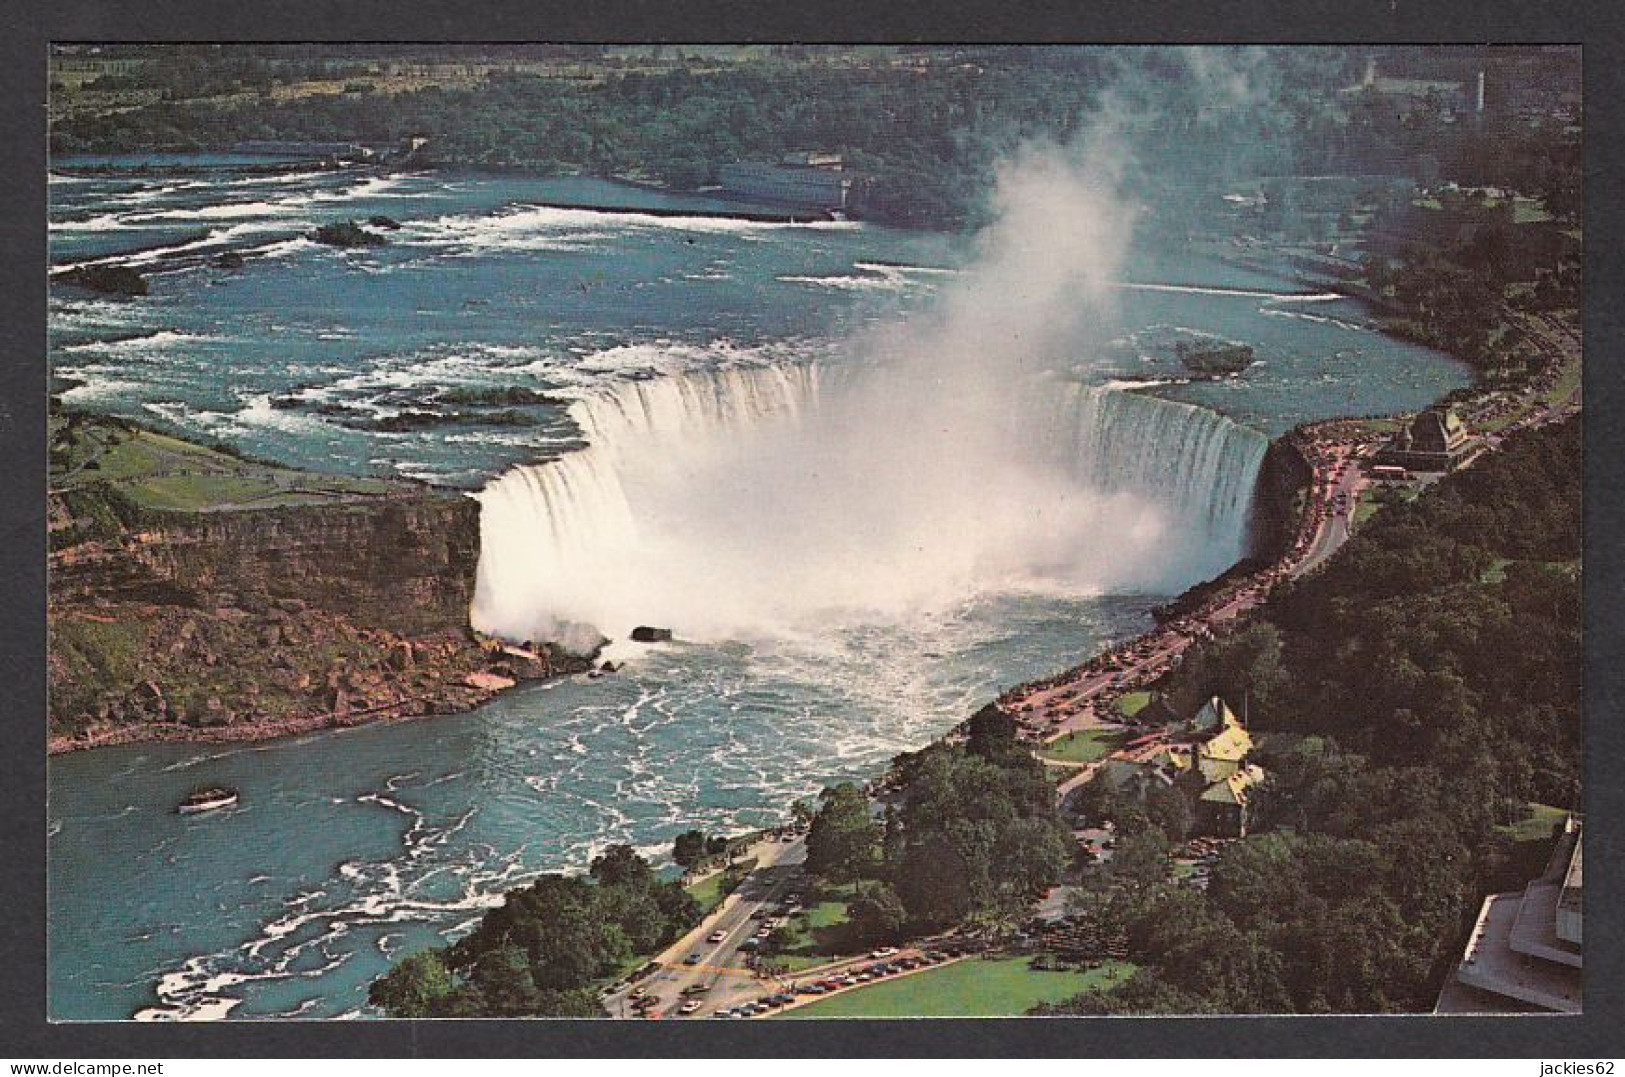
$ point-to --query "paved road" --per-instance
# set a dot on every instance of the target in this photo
(1338, 471)
(1338, 525)
(721, 968)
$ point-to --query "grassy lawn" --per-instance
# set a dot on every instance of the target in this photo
(1568, 383)
(818, 934)
(1373, 498)
(1536, 826)
(709, 891)
(1001, 987)
(1133, 703)
(1524, 210)
(1085, 745)
(1529, 211)
(1366, 508)
(160, 472)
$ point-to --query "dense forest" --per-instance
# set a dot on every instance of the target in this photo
(923, 129)
(1419, 691)
(541, 952)
(970, 834)
(1467, 265)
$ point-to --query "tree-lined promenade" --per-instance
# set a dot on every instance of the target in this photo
(1338, 451)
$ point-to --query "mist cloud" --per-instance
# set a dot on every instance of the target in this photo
(939, 459)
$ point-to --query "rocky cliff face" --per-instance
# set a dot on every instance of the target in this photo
(243, 624)
(1283, 478)
(405, 563)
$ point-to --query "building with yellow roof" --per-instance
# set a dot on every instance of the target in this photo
(1207, 759)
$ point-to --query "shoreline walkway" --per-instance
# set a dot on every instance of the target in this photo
(1086, 696)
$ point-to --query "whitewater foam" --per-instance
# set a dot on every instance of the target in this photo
(769, 478)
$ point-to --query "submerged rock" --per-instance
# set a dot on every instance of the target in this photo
(1215, 359)
(117, 280)
(347, 234)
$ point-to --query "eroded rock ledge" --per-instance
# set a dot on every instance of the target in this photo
(252, 623)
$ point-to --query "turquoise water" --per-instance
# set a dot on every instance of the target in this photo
(351, 847)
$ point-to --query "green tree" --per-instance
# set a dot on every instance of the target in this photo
(844, 840)
(688, 848)
(877, 914)
(413, 988)
(620, 865)
(933, 882)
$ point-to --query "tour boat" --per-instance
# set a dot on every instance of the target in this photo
(208, 799)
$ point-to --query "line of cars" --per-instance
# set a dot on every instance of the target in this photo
(891, 965)
(772, 916)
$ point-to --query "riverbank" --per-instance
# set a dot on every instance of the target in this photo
(1328, 512)
(453, 678)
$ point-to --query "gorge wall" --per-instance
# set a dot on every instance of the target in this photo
(405, 562)
(1284, 475)
(252, 623)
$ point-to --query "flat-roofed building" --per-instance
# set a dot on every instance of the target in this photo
(817, 180)
(1524, 952)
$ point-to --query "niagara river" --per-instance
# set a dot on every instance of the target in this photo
(864, 498)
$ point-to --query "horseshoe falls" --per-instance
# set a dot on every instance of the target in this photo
(758, 500)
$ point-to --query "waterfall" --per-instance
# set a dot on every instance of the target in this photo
(1200, 462)
(753, 500)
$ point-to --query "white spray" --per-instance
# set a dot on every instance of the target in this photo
(938, 460)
